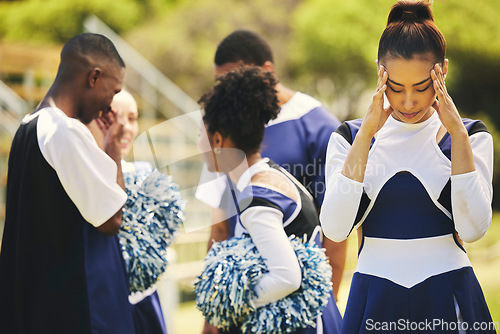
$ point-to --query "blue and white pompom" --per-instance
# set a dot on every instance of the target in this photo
(152, 215)
(233, 268)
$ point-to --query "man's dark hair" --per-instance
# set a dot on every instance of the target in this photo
(91, 45)
(245, 46)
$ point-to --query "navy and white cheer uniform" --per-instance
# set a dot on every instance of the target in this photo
(296, 140)
(146, 306)
(269, 217)
(58, 273)
(411, 267)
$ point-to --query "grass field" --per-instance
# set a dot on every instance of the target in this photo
(484, 255)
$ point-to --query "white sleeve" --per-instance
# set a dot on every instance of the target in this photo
(471, 193)
(265, 226)
(87, 174)
(342, 195)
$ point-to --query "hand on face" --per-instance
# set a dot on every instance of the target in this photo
(123, 110)
(444, 105)
(105, 120)
(376, 116)
(112, 130)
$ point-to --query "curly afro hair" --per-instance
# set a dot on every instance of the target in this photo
(239, 106)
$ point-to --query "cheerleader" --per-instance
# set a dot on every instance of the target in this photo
(146, 310)
(272, 206)
(303, 122)
(144, 238)
(416, 178)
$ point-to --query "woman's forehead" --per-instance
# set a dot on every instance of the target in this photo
(408, 71)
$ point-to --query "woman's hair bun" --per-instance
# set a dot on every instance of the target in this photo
(410, 31)
(410, 11)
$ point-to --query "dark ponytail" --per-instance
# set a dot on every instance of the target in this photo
(411, 31)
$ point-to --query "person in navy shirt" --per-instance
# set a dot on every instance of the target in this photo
(61, 268)
(146, 307)
(296, 140)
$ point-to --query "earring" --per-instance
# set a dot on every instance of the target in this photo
(217, 150)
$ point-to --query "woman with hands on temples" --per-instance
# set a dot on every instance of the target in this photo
(416, 178)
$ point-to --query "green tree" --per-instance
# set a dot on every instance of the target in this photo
(182, 39)
(473, 37)
(56, 21)
(337, 41)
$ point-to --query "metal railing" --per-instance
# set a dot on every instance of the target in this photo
(12, 109)
(153, 82)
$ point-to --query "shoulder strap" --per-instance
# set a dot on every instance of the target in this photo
(349, 129)
(345, 131)
(474, 127)
(259, 201)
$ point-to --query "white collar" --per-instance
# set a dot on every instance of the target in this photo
(247, 175)
(412, 126)
(298, 105)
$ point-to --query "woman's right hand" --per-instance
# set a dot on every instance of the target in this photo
(376, 116)
(355, 164)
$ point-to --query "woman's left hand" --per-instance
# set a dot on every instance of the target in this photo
(444, 105)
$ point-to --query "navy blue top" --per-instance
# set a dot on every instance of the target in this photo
(299, 145)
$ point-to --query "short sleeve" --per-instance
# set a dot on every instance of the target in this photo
(87, 174)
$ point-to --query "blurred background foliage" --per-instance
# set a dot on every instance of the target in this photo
(323, 47)
(56, 21)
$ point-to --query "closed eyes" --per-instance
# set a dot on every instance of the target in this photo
(418, 90)
(423, 90)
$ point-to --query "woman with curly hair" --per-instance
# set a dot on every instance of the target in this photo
(271, 204)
